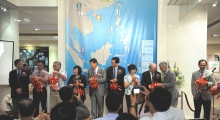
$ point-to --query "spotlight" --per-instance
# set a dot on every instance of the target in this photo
(215, 3)
(5, 9)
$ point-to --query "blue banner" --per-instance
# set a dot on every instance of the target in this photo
(103, 29)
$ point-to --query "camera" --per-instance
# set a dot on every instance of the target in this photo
(136, 90)
(76, 94)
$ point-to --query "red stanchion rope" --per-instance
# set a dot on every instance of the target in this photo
(188, 103)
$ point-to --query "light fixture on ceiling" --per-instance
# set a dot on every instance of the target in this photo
(36, 29)
(17, 20)
(2, 8)
(26, 20)
(5, 9)
(215, 3)
(215, 35)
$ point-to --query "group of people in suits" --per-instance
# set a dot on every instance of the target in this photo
(19, 80)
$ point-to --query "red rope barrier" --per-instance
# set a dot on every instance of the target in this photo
(188, 103)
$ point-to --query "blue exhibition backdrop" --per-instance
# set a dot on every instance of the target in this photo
(126, 29)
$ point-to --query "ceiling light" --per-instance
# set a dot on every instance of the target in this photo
(215, 3)
(215, 35)
(1, 7)
(26, 20)
(4, 9)
(36, 29)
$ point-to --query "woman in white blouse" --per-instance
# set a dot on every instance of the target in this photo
(130, 83)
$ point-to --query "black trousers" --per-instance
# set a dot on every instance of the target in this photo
(206, 106)
(121, 109)
(40, 97)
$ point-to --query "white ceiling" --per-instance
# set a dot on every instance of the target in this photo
(43, 18)
(46, 19)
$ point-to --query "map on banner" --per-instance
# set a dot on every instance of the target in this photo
(103, 29)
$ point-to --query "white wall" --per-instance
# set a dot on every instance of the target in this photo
(10, 34)
(182, 41)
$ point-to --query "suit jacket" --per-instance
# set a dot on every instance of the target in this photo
(101, 79)
(205, 92)
(82, 79)
(146, 79)
(14, 84)
(169, 82)
(120, 77)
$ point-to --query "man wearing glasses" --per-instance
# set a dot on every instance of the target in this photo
(40, 96)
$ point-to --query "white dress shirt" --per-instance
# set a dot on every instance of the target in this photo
(109, 116)
(171, 114)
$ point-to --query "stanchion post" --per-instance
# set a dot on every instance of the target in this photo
(182, 100)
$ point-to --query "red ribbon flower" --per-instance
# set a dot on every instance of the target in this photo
(154, 85)
(215, 92)
(79, 91)
(53, 81)
(134, 80)
(200, 83)
(94, 84)
(37, 84)
(115, 86)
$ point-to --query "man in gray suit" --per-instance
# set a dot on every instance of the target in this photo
(169, 82)
(202, 96)
(97, 95)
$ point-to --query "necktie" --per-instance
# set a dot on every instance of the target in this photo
(19, 75)
(152, 77)
(94, 72)
(38, 74)
(114, 73)
(201, 73)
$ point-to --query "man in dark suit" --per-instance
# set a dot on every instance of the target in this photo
(150, 76)
(115, 74)
(18, 81)
(97, 94)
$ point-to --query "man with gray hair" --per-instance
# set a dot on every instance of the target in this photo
(169, 82)
(61, 75)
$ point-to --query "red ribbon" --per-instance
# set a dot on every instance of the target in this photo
(215, 92)
(94, 84)
(200, 83)
(53, 81)
(37, 84)
(134, 80)
(154, 85)
(79, 90)
(115, 86)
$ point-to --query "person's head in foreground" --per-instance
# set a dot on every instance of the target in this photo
(126, 116)
(5, 117)
(66, 94)
(159, 100)
(63, 111)
(26, 108)
(113, 102)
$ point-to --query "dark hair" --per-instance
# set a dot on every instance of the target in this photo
(65, 93)
(202, 60)
(113, 101)
(117, 60)
(40, 61)
(26, 107)
(79, 69)
(160, 98)
(131, 67)
(94, 60)
(17, 61)
(63, 111)
(5, 117)
(126, 116)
